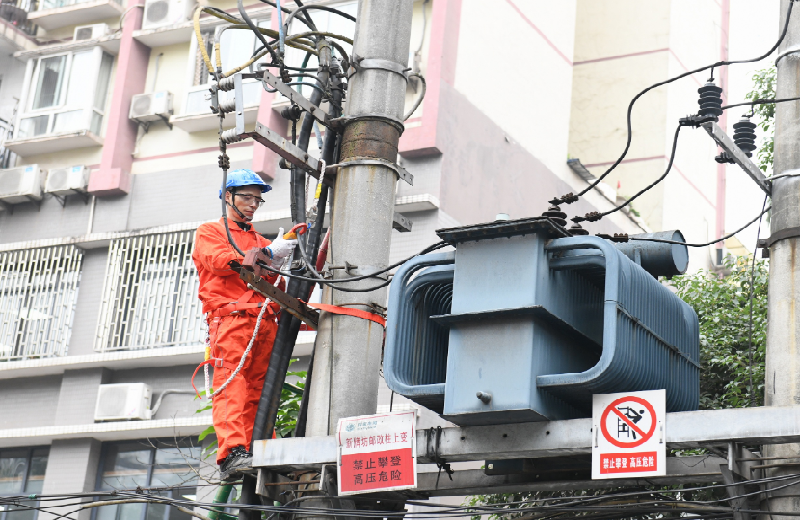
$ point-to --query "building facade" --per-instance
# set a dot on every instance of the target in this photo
(96, 276)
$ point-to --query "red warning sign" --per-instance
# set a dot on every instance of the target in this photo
(377, 453)
(627, 412)
(628, 431)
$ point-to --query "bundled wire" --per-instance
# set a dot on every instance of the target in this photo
(570, 198)
(608, 505)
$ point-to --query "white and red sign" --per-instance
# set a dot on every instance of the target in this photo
(628, 434)
(377, 452)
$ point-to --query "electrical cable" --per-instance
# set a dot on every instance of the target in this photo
(425, 251)
(750, 298)
(567, 504)
(248, 21)
(572, 198)
(726, 237)
(421, 96)
(593, 217)
(761, 102)
(321, 8)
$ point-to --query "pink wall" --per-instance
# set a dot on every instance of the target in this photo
(264, 159)
(442, 53)
(114, 175)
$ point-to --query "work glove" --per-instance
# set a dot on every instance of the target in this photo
(280, 249)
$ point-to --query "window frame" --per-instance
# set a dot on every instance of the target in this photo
(61, 106)
(4, 512)
(151, 445)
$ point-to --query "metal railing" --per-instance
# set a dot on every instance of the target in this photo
(38, 293)
(16, 13)
(150, 294)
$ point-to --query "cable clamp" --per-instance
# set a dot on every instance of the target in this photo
(399, 170)
(360, 63)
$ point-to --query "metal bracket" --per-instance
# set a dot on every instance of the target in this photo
(341, 122)
(401, 223)
(296, 98)
(285, 149)
(787, 52)
(739, 157)
(238, 93)
(399, 170)
(290, 304)
(378, 64)
(783, 234)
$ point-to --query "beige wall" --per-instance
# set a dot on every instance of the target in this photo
(622, 47)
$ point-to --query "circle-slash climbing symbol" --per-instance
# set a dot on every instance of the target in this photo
(628, 422)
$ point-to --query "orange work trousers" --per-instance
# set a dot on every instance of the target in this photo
(234, 409)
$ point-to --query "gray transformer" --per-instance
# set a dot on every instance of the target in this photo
(524, 322)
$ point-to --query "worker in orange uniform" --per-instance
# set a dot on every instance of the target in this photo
(231, 310)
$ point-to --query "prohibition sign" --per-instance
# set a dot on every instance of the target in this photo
(643, 437)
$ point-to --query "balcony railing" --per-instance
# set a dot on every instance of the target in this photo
(16, 12)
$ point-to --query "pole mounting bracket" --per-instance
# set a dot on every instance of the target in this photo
(399, 170)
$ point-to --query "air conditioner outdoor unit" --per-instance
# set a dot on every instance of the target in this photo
(123, 402)
(151, 107)
(67, 181)
(160, 13)
(90, 32)
(21, 184)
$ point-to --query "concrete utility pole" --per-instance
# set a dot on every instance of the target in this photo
(783, 336)
(348, 350)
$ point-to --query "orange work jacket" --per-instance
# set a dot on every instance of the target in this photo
(219, 284)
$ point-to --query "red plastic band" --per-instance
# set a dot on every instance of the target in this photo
(357, 313)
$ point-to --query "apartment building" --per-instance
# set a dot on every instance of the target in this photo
(99, 209)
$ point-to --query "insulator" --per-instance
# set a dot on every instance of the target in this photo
(229, 105)
(226, 84)
(744, 135)
(230, 136)
(555, 214)
(576, 230)
(723, 158)
(710, 100)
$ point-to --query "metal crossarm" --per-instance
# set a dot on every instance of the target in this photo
(296, 98)
(739, 157)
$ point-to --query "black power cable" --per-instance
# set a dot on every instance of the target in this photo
(726, 237)
(570, 198)
(593, 217)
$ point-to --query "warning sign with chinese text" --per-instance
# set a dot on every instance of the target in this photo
(628, 434)
(377, 452)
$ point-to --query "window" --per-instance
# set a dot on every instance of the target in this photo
(68, 93)
(38, 293)
(53, 4)
(22, 472)
(236, 47)
(150, 294)
(148, 464)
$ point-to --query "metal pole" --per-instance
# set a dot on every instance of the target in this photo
(782, 381)
(349, 349)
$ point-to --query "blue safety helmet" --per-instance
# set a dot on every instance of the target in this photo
(244, 177)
